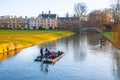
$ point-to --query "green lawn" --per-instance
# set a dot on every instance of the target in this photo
(108, 35)
(24, 38)
(113, 37)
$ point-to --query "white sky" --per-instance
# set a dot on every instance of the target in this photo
(35, 7)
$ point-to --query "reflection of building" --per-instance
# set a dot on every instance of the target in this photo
(13, 22)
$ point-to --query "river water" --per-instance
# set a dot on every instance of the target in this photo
(84, 59)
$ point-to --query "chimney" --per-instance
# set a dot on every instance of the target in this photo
(49, 12)
(42, 12)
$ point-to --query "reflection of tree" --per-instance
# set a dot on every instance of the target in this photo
(116, 67)
(83, 46)
(79, 47)
(93, 38)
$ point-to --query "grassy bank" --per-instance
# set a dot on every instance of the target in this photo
(16, 39)
(108, 35)
(113, 37)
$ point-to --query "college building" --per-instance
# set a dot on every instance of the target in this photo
(13, 22)
(43, 20)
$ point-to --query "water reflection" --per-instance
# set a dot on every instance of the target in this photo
(116, 63)
(44, 68)
(80, 47)
(83, 60)
(8, 54)
(50, 45)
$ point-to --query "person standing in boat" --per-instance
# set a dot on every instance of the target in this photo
(46, 53)
(101, 42)
(41, 52)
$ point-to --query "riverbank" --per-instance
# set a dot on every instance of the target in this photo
(19, 39)
(110, 37)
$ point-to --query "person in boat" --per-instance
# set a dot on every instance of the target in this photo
(41, 52)
(46, 50)
(101, 41)
(58, 53)
(52, 55)
(47, 53)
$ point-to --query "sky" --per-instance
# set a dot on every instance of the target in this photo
(33, 8)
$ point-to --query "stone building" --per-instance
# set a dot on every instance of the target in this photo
(67, 22)
(13, 22)
(32, 23)
(45, 21)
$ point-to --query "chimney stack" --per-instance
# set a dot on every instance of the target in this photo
(49, 12)
(42, 12)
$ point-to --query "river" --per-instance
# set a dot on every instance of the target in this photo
(84, 59)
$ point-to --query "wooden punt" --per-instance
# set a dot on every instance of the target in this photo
(50, 60)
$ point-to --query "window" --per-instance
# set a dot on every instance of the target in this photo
(48, 24)
(48, 21)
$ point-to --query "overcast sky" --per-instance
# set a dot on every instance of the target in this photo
(35, 7)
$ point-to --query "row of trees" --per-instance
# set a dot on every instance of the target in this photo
(115, 8)
(97, 18)
(104, 19)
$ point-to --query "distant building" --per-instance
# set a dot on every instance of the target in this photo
(48, 20)
(13, 22)
(65, 21)
(32, 23)
(44, 20)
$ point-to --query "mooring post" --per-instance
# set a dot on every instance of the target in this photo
(3, 51)
(7, 50)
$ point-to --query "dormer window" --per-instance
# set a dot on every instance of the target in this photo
(41, 17)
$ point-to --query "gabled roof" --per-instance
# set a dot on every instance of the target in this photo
(47, 15)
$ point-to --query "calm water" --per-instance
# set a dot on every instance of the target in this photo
(83, 60)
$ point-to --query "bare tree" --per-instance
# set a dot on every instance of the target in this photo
(100, 18)
(80, 10)
(115, 11)
(79, 16)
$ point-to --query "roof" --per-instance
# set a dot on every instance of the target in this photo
(47, 15)
(67, 18)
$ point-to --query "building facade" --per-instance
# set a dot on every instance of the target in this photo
(67, 22)
(32, 23)
(45, 21)
(13, 22)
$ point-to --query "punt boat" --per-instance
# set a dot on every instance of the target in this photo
(50, 59)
